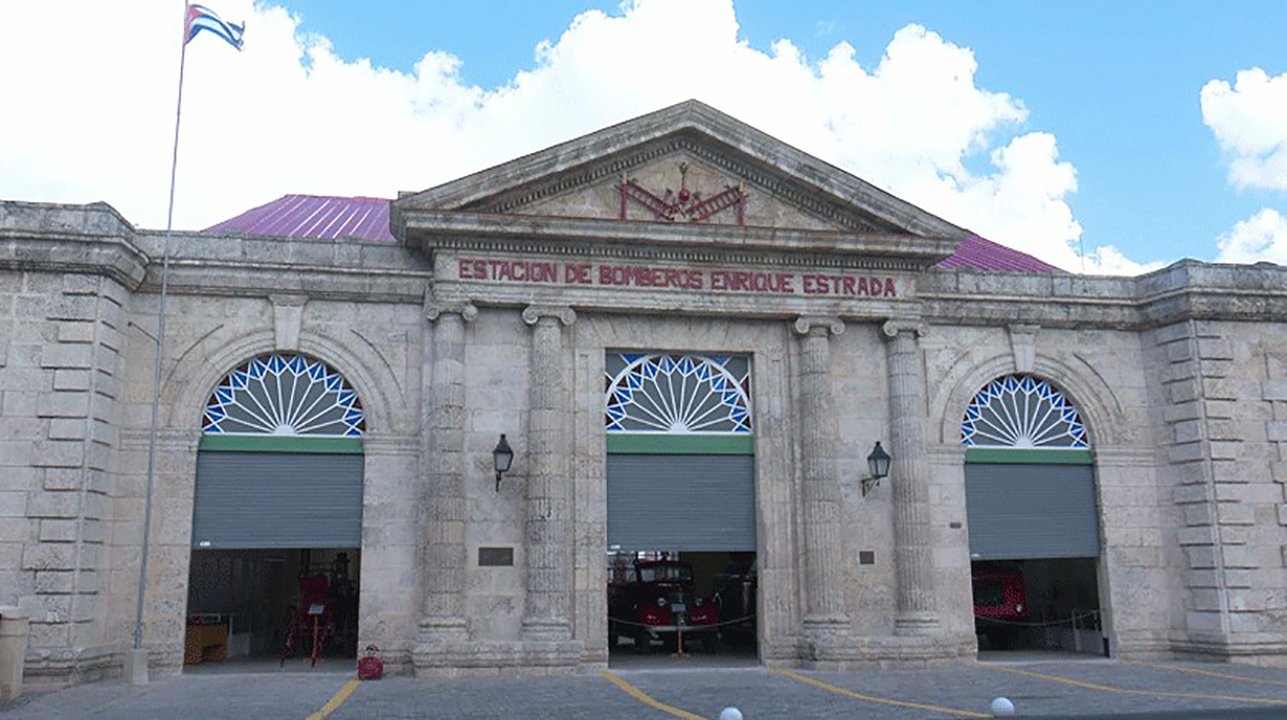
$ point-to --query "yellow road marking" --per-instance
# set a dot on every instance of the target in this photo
(645, 698)
(884, 701)
(336, 700)
(1124, 691)
(1210, 673)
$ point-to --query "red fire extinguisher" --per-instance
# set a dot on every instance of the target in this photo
(370, 666)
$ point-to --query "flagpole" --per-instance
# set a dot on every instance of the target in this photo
(160, 344)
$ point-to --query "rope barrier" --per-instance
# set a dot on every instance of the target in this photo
(738, 621)
(1072, 620)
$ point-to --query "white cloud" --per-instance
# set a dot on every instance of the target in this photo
(1261, 237)
(288, 115)
(1249, 120)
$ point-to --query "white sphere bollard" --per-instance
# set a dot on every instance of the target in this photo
(730, 713)
(1002, 707)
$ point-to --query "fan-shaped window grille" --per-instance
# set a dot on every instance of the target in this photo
(284, 394)
(678, 394)
(1021, 411)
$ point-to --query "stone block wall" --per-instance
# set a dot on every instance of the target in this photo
(1102, 372)
(1221, 382)
(60, 378)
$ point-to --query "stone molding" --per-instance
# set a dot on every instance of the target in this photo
(1125, 456)
(945, 454)
(377, 443)
(685, 242)
(1095, 400)
(187, 386)
(185, 441)
(1186, 290)
(776, 184)
(74, 252)
(704, 133)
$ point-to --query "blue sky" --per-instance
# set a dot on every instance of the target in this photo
(1101, 102)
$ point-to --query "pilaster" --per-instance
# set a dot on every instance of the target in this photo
(916, 612)
(548, 510)
(442, 620)
(825, 622)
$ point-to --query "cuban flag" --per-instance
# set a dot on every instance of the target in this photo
(201, 18)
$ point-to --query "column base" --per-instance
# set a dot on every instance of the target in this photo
(440, 630)
(891, 652)
(1264, 649)
(916, 623)
(495, 658)
(545, 630)
(825, 637)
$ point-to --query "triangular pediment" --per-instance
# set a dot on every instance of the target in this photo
(687, 164)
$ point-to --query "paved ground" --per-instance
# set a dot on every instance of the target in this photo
(1044, 688)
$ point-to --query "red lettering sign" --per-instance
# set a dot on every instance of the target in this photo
(671, 278)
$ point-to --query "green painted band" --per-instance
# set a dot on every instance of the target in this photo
(658, 444)
(1030, 456)
(281, 444)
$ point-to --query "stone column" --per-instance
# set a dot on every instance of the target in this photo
(443, 519)
(548, 604)
(909, 478)
(824, 620)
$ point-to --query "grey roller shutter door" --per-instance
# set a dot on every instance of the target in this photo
(277, 500)
(681, 502)
(1031, 511)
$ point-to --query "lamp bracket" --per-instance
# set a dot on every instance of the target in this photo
(868, 484)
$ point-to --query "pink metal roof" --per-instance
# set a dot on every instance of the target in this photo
(314, 216)
(367, 218)
(979, 254)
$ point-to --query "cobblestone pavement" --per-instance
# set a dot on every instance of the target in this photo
(1067, 689)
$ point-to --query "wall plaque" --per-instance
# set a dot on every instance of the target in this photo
(495, 557)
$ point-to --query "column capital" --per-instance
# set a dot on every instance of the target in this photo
(807, 324)
(434, 309)
(894, 326)
(532, 314)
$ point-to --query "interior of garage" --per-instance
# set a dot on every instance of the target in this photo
(271, 604)
(1035, 549)
(1038, 604)
(711, 595)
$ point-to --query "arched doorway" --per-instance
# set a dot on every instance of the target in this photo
(681, 503)
(277, 515)
(1033, 515)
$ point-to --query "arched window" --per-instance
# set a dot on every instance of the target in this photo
(284, 394)
(678, 394)
(1022, 411)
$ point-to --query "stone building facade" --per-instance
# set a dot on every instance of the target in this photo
(498, 309)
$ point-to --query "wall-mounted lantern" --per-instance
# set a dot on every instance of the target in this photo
(502, 457)
(877, 468)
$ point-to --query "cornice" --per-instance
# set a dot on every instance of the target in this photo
(260, 279)
(773, 183)
(66, 252)
(1188, 290)
(594, 237)
(754, 156)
